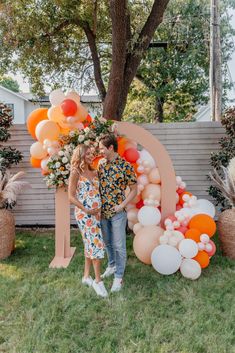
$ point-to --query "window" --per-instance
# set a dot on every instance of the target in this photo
(11, 106)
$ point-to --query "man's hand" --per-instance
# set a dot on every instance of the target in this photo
(118, 208)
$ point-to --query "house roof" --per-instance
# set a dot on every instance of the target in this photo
(45, 99)
(17, 94)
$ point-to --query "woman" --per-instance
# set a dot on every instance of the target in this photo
(84, 194)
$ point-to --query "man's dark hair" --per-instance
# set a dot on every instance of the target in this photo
(110, 140)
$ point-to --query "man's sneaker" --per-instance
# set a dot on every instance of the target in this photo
(87, 281)
(108, 272)
(99, 289)
(117, 285)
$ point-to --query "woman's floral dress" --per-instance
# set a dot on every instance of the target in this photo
(89, 225)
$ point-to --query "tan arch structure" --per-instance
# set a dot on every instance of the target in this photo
(63, 251)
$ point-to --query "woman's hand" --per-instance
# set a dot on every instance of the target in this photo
(93, 211)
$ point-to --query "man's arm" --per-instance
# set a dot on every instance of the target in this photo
(132, 194)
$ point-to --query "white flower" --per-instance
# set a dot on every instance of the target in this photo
(61, 153)
(80, 138)
(87, 143)
(64, 160)
(102, 120)
(57, 165)
(67, 166)
(86, 130)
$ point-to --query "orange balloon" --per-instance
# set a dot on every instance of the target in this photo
(35, 163)
(193, 234)
(34, 118)
(181, 201)
(203, 223)
(122, 141)
(202, 258)
(95, 162)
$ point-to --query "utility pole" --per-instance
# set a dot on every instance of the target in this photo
(215, 63)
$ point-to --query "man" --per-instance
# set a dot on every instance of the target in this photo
(115, 175)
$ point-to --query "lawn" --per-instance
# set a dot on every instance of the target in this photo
(45, 310)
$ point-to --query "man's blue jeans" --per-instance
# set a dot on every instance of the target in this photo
(114, 235)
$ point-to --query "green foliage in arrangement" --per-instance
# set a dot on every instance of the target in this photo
(224, 155)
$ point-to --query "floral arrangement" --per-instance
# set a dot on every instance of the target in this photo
(59, 164)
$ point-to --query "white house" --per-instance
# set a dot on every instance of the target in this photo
(24, 103)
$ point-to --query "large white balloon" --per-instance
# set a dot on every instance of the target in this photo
(166, 259)
(149, 216)
(56, 97)
(146, 156)
(188, 248)
(190, 269)
(206, 207)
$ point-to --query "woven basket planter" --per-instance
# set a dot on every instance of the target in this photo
(226, 228)
(7, 233)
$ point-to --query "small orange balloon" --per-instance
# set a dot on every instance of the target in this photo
(35, 163)
(193, 234)
(181, 201)
(122, 141)
(95, 162)
(34, 118)
(202, 258)
(203, 223)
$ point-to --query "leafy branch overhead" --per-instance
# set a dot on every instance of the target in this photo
(112, 35)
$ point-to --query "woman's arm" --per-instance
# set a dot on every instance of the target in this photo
(73, 180)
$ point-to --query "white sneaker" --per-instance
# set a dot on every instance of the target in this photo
(108, 272)
(87, 281)
(99, 289)
(117, 285)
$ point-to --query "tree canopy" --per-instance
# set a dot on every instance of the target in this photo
(71, 41)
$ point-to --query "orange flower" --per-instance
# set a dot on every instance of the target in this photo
(96, 241)
(89, 222)
(95, 205)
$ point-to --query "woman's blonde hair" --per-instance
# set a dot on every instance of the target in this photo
(78, 159)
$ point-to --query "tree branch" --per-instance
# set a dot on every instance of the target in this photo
(96, 60)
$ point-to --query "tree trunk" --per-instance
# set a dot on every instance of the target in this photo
(159, 117)
(125, 64)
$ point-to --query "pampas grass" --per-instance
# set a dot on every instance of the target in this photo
(10, 188)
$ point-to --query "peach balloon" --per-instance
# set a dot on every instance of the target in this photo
(132, 215)
(152, 191)
(74, 96)
(145, 241)
(154, 176)
(137, 227)
(47, 130)
(34, 118)
(81, 113)
(55, 114)
(37, 151)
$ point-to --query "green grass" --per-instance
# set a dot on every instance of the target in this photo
(45, 310)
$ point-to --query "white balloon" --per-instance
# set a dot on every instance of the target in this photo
(166, 259)
(190, 269)
(146, 156)
(188, 248)
(149, 216)
(56, 97)
(206, 207)
(44, 164)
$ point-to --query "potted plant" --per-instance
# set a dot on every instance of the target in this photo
(10, 187)
(226, 219)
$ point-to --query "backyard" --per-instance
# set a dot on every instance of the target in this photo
(45, 310)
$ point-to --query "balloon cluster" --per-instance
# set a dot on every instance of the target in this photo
(183, 241)
(46, 125)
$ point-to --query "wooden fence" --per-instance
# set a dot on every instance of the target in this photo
(189, 145)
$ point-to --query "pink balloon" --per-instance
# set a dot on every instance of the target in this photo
(182, 229)
(212, 252)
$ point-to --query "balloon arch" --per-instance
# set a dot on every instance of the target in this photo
(63, 251)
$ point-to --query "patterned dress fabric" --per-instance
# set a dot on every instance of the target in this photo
(114, 177)
(89, 225)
